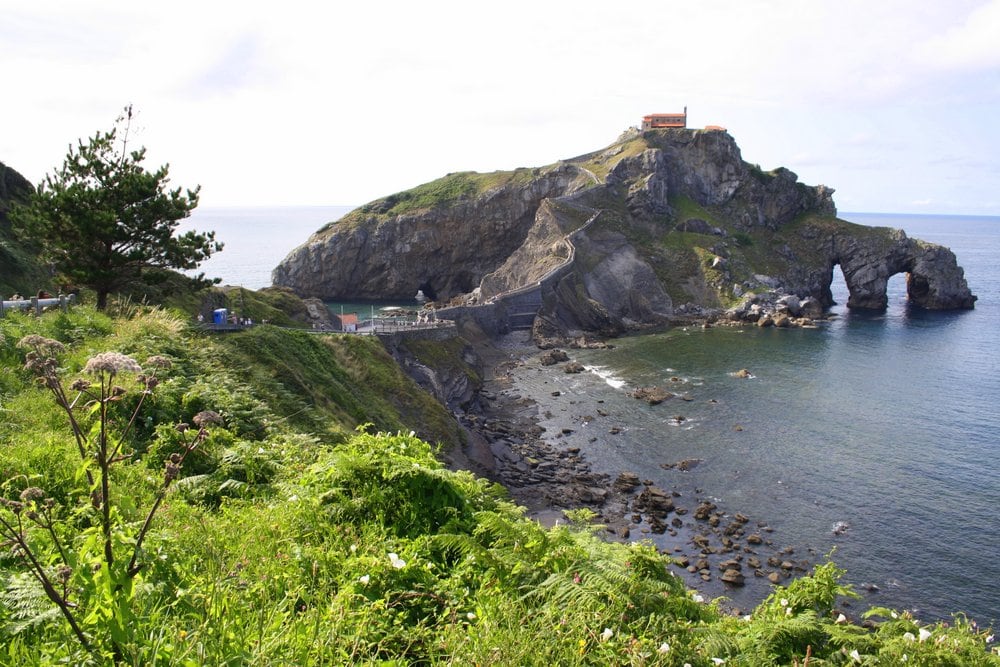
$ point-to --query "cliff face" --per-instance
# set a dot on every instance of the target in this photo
(442, 241)
(707, 168)
(19, 269)
(658, 224)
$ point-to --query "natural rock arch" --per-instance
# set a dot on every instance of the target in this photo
(934, 280)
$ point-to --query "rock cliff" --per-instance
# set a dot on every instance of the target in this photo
(442, 237)
(19, 268)
(659, 224)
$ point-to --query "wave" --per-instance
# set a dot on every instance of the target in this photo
(609, 377)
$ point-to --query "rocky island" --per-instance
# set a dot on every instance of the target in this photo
(664, 226)
(661, 225)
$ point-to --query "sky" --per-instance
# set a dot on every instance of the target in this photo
(895, 104)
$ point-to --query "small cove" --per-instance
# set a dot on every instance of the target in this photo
(883, 421)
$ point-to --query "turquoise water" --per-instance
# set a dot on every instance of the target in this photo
(888, 422)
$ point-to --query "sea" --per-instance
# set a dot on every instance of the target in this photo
(255, 240)
(885, 426)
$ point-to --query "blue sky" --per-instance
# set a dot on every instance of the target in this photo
(894, 104)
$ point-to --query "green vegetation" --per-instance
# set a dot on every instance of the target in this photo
(441, 193)
(104, 222)
(602, 162)
(20, 271)
(231, 504)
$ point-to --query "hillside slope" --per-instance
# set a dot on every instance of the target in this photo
(19, 269)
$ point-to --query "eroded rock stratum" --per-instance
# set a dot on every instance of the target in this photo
(659, 224)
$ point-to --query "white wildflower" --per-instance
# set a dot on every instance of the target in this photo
(784, 602)
(607, 634)
(471, 616)
(905, 657)
(664, 648)
(841, 619)
(718, 661)
(788, 611)
(894, 614)
(747, 618)
(698, 598)
(111, 363)
(364, 579)
(396, 561)
(909, 636)
(354, 547)
(855, 656)
(989, 639)
(925, 634)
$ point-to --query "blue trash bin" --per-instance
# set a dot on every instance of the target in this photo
(220, 315)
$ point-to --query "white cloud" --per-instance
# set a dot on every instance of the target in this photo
(338, 103)
(974, 44)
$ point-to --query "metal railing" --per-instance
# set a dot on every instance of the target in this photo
(36, 304)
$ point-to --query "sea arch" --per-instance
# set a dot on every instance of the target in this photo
(934, 280)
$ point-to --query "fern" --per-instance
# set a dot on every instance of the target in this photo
(27, 604)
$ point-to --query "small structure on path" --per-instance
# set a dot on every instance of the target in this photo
(348, 322)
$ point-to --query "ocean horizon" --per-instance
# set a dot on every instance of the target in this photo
(885, 422)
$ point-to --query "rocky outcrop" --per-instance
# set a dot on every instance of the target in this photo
(444, 248)
(20, 270)
(707, 167)
(13, 187)
(661, 225)
(868, 258)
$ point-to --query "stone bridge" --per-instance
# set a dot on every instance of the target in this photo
(934, 280)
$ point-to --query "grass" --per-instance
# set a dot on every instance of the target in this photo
(443, 192)
(602, 162)
(303, 540)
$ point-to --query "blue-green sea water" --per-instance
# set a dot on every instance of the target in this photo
(256, 239)
(888, 422)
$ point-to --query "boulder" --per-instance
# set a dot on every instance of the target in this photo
(652, 395)
(733, 577)
(790, 304)
(553, 357)
(626, 482)
(654, 500)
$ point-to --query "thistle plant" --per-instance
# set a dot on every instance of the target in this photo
(87, 568)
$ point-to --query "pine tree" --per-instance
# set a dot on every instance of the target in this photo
(104, 222)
